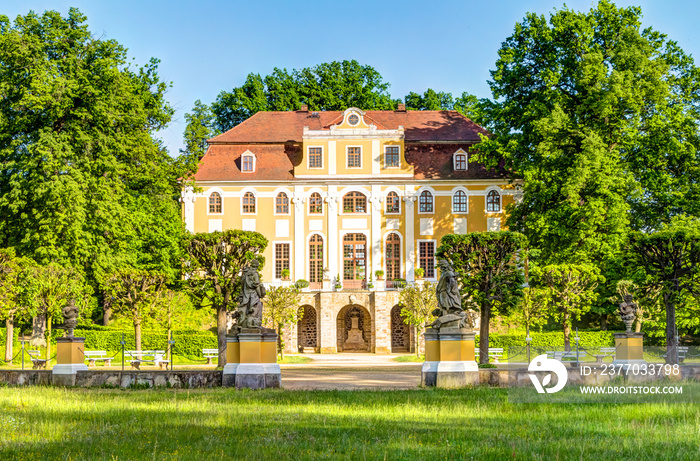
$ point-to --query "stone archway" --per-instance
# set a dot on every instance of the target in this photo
(400, 332)
(354, 329)
(307, 330)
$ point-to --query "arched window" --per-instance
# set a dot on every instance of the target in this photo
(460, 162)
(248, 203)
(393, 257)
(493, 202)
(392, 203)
(215, 202)
(282, 203)
(459, 202)
(354, 202)
(315, 203)
(425, 203)
(316, 259)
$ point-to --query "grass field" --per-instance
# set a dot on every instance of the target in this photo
(425, 424)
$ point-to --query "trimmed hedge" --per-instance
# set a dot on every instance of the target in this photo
(187, 343)
(553, 340)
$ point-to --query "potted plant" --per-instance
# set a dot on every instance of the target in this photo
(338, 285)
(400, 283)
(420, 272)
(285, 274)
(301, 283)
(379, 274)
(370, 285)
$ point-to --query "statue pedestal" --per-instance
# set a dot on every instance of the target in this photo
(629, 349)
(70, 358)
(253, 355)
(449, 358)
(355, 341)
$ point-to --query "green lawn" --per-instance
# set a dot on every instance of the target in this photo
(424, 424)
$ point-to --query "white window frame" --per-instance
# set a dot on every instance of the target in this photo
(466, 160)
(291, 259)
(452, 200)
(361, 190)
(500, 199)
(257, 201)
(386, 197)
(289, 203)
(347, 158)
(418, 194)
(308, 158)
(308, 204)
(221, 194)
(243, 156)
(435, 246)
(386, 147)
(402, 261)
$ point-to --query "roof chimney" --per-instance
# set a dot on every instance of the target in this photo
(304, 108)
(401, 108)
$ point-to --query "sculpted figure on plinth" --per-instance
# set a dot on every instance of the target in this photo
(628, 311)
(248, 314)
(450, 312)
(70, 318)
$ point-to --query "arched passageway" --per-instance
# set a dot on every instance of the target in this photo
(400, 332)
(307, 329)
(354, 329)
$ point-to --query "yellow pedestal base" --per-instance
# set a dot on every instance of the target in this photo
(629, 349)
(251, 360)
(449, 358)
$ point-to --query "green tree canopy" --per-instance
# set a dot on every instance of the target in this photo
(281, 309)
(670, 260)
(599, 118)
(213, 271)
(328, 86)
(83, 182)
(418, 301)
(485, 264)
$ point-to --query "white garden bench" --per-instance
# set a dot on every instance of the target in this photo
(93, 356)
(210, 354)
(564, 356)
(495, 353)
(147, 357)
(37, 363)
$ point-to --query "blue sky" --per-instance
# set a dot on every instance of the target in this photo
(209, 46)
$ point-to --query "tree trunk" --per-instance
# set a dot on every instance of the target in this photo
(484, 333)
(9, 324)
(671, 346)
(106, 309)
(280, 342)
(48, 340)
(638, 321)
(221, 320)
(137, 334)
(604, 322)
(567, 333)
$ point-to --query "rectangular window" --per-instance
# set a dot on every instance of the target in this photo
(427, 258)
(281, 258)
(354, 157)
(247, 163)
(315, 157)
(391, 157)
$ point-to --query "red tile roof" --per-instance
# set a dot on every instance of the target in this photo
(222, 162)
(428, 125)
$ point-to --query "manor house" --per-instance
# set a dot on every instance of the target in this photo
(352, 202)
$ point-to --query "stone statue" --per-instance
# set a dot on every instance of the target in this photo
(628, 311)
(70, 318)
(450, 312)
(248, 314)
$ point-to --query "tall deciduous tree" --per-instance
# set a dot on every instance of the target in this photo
(48, 289)
(328, 86)
(485, 263)
(83, 181)
(430, 100)
(281, 309)
(587, 103)
(213, 270)
(569, 292)
(417, 305)
(671, 259)
(10, 285)
(136, 294)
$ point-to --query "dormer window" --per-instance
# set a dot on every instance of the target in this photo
(248, 163)
(460, 160)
